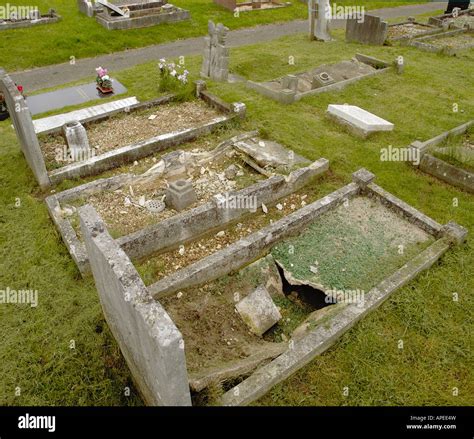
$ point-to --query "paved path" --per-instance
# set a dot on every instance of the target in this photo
(51, 76)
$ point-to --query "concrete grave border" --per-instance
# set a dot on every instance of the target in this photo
(439, 168)
(286, 96)
(181, 227)
(49, 18)
(105, 251)
(438, 20)
(423, 42)
(318, 340)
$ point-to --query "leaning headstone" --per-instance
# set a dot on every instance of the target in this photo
(25, 131)
(258, 311)
(76, 138)
(359, 120)
(215, 63)
(372, 30)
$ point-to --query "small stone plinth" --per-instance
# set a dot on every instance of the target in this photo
(258, 311)
(180, 195)
(359, 121)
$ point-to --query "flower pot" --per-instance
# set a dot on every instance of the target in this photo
(105, 90)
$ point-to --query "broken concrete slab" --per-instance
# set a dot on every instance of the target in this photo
(258, 311)
(358, 120)
(270, 153)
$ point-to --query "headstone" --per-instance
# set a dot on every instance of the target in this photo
(258, 311)
(180, 194)
(76, 138)
(23, 124)
(365, 122)
(372, 30)
(215, 63)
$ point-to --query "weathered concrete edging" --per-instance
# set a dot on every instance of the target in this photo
(439, 168)
(423, 42)
(431, 30)
(50, 18)
(248, 249)
(182, 226)
(77, 248)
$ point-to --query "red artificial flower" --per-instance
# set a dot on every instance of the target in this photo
(20, 88)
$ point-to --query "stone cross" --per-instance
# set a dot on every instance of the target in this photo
(319, 16)
(215, 64)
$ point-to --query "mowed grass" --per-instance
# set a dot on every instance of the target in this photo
(435, 365)
(79, 36)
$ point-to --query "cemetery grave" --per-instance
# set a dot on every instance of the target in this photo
(158, 124)
(135, 205)
(450, 42)
(244, 317)
(33, 17)
(130, 128)
(330, 77)
(409, 29)
(224, 261)
(449, 156)
(460, 20)
(131, 14)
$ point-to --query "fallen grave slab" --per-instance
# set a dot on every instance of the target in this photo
(358, 120)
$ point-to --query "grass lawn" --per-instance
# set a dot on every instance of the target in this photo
(80, 36)
(38, 365)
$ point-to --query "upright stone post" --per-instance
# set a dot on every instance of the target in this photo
(215, 64)
(322, 22)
